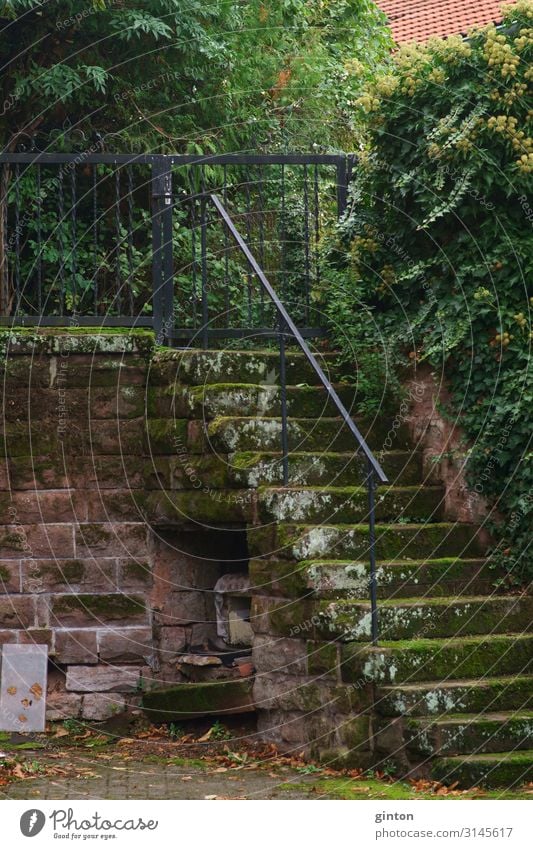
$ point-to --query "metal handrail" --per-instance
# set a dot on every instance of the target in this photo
(286, 323)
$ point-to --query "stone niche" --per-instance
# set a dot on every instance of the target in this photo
(200, 601)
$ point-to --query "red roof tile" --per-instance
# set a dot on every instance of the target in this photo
(418, 20)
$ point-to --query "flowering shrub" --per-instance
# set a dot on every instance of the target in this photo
(435, 253)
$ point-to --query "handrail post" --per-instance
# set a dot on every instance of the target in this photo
(203, 251)
(372, 553)
(283, 392)
(162, 248)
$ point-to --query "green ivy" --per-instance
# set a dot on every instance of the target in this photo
(434, 260)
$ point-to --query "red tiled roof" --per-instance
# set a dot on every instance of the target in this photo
(418, 20)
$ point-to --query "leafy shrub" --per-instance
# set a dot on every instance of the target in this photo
(434, 259)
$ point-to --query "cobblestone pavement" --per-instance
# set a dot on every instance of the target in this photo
(89, 779)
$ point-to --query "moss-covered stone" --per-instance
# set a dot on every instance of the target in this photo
(186, 701)
(166, 436)
(456, 696)
(103, 608)
(505, 769)
(412, 618)
(465, 733)
(438, 659)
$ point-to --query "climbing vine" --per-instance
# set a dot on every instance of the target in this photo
(434, 259)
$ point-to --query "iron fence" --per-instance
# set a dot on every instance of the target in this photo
(110, 239)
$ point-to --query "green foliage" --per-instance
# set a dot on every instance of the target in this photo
(184, 75)
(434, 260)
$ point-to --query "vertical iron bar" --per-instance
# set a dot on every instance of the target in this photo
(261, 241)
(227, 304)
(162, 264)
(248, 239)
(39, 243)
(157, 259)
(95, 238)
(17, 236)
(203, 249)
(130, 237)
(283, 390)
(61, 245)
(372, 553)
(73, 202)
(307, 268)
(317, 228)
(342, 185)
(193, 249)
(118, 276)
(282, 234)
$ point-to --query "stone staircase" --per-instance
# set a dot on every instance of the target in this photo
(448, 691)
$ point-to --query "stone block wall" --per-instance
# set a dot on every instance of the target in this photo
(81, 476)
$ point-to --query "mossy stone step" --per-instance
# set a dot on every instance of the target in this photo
(471, 733)
(393, 541)
(438, 659)
(405, 619)
(243, 433)
(335, 579)
(198, 368)
(190, 700)
(250, 468)
(348, 504)
(498, 769)
(457, 696)
(248, 399)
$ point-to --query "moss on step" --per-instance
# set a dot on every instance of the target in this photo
(438, 659)
(503, 769)
(457, 696)
(466, 733)
(393, 541)
(186, 701)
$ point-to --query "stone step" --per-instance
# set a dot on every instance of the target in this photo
(438, 659)
(458, 696)
(330, 469)
(244, 433)
(498, 769)
(406, 619)
(470, 733)
(200, 368)
(344, 578)
(393, 541)
(248, 399)
(349, 504)
(193, 699)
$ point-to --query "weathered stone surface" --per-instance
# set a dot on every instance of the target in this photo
(97, 609)
(126, 644)
(185, 701)
(58, 575)
(182, 608)
(100, 706)
(93, 679)
(9, 576)
(37, 636)
(199, 660)
(78, 646)
(43, 506)
(272, 654)
(125, 539)
(63, 706)
(172, 642)
(135, 574)
(17, 611)
(39, 540)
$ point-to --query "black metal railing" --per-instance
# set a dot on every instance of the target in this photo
(287, 330)
(130, 240)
